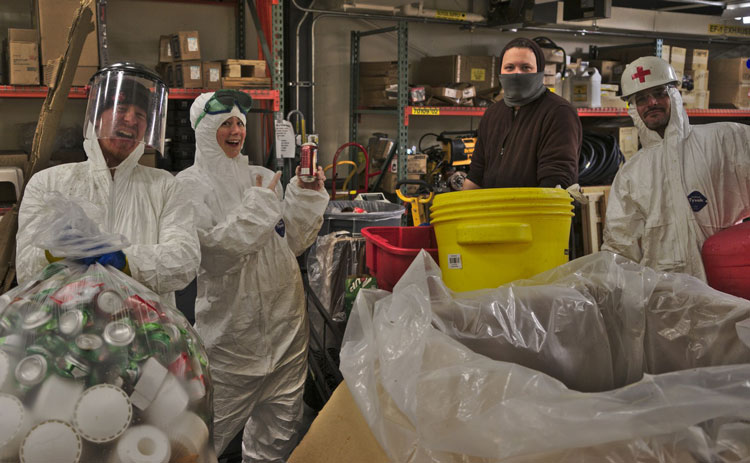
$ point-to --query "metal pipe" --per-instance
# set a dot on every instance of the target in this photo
(639, 34)
(385, 16)
(297, 64)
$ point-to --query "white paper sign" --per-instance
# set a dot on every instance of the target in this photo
(284, 139)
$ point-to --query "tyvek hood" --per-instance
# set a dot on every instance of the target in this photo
(228, 176)
(678, 126)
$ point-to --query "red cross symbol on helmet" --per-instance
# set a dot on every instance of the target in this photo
(641, 74)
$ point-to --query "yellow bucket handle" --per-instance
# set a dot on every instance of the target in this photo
(493, 233)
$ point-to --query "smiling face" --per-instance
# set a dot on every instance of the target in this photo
(518, 60)
(231, 136)
(121, 128)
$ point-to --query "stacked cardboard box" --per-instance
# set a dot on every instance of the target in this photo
(180, 60)
(730, 82)
(479, 71)
(54, 19)
(23, 57)
(378, 83)
(695, 71)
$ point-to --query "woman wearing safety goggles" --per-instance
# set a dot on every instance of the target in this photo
(250, 308)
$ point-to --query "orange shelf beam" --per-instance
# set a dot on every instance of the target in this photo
(33, 91)
(582, 112)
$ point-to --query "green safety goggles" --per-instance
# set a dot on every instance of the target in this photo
(223, 101)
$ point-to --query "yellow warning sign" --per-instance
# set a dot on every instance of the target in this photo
(425, 111)
(451, 15)
(732, 31)
(478, 74)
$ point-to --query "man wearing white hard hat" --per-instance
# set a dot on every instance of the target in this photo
(686, 183)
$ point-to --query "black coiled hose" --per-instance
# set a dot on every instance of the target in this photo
(600, 158)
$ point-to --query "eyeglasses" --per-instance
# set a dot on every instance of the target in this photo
(642, 98)
(223, 101)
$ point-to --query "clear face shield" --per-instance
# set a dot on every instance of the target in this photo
(127, 106)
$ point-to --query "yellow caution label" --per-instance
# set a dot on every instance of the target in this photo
(451, 15)
(732, 31)
(478, 74)
(425, 111)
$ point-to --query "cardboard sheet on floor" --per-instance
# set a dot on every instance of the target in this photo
(339, 435)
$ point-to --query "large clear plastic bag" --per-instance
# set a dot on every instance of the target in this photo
(513, 374)
(93, 368)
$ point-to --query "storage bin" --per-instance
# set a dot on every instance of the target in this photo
(390, 250)
(379, 214)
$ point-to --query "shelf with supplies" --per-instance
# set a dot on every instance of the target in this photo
(28, 91)
(582, 112)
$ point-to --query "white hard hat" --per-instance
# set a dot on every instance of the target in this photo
(646, 72)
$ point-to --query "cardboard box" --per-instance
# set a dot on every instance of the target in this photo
(211, 74)
(54, 20)
(699, 60)
(186, 46)
(81, 77)
(695, 99)
(737, 96)
(165, 49)
(628, 140)
(665, 52)
(677, 60)
(480, 71)
(416, 164)
(700, 79)
(550, 69)
(377, 98)
(187, 74)
(610, 100)
(611, 71)
(23, 57)
(553, 55)
(378, 69)
(730, 71)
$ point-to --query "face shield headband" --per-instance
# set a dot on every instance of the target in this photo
(223, 101)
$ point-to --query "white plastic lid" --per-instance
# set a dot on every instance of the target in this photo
(12, 419)
(50, 441)
(102, 413)
(143, 444)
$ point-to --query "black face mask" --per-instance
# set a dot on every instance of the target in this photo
(521, 89)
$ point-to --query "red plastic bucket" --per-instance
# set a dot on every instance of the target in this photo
(726, 259)
(390, 250)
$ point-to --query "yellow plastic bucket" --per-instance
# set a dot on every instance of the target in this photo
(489, 237)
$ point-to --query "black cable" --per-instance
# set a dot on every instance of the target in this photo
(599, 159)
(419, 143)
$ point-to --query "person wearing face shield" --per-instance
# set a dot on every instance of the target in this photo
(126, 112)
(250, 307)
(686, 183)
(532, 137)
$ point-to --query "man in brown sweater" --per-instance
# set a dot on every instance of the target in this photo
(532, 137)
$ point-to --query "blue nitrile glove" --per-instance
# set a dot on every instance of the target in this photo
(116, 259)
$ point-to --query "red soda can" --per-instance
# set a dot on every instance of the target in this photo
(308, 162)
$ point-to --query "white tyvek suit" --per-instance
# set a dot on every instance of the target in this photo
(677, 191)
(142, 203)
(250, 309)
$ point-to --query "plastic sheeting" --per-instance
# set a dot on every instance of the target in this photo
(554, 369)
